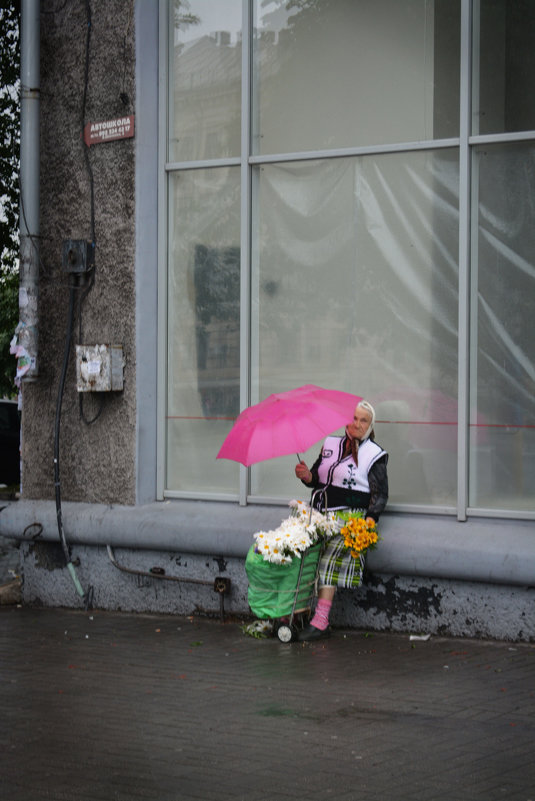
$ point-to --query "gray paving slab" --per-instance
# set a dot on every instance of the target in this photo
(107, 706)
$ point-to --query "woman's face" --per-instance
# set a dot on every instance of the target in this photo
(361, 422)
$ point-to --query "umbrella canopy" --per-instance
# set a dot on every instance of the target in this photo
(287, 422)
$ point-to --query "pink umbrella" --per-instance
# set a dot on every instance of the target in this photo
(287, 422)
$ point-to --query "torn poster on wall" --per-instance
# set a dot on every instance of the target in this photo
(109, 130)
(25, 361)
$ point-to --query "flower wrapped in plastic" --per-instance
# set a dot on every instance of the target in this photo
(358, 536)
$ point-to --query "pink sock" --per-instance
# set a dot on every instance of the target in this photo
(321, 616)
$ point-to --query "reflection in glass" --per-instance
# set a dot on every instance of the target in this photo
(204, 327)
(504, 69)
(205, 79)
(355, 288)
(354, 72)
(503, 361)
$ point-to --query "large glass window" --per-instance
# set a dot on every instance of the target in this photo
(504, 67)
(342, 297)
(354, 72)
(205, 86)
(324, 223)
(203, 327)
(503, 358)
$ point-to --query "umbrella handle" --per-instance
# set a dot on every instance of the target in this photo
(298, 458)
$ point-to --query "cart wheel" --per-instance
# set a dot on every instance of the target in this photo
(285, 633)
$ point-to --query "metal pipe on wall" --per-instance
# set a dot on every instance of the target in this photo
(29, 185)
(412, 545)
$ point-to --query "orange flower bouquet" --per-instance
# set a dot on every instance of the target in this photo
(358, 536)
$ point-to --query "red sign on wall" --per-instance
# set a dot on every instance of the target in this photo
(109, 130)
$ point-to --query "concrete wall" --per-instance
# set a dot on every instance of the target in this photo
(428, 575)
(416, 605)
(97, 461)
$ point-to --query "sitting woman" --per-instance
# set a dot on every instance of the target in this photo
(350, 473)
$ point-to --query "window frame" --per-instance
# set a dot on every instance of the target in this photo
(248, 163)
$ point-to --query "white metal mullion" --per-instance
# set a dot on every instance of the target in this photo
(349, 152)
(508, 514)
(475, 51)
(473, 310)
(464, 260)
(202, 164)
(255, 167)
(163, 233)
(502, 138)
(474, 139)
(245, 234)
(352, 152)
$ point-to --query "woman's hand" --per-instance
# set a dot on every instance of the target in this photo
(303, 473)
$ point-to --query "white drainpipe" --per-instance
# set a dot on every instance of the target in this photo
(29, 185)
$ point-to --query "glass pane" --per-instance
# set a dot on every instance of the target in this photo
(354, 72)
(503, 362)
(204, 79)
(355, 288)
(505, 64)
(203, 327)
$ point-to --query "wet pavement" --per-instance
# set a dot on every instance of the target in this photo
(104, 706)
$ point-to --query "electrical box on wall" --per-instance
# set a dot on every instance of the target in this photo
(99, 368)
(78, 256)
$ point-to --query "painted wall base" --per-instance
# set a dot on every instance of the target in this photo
(439, 607)
(384, 603)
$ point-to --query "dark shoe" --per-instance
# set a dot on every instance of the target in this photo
(312, 633)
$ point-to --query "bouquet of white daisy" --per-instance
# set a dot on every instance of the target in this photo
(296, 534)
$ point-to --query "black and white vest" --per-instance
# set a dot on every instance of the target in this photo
(342, 474)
